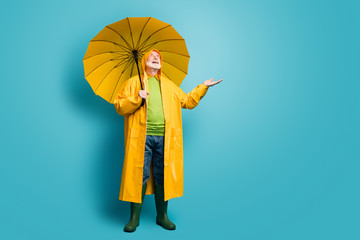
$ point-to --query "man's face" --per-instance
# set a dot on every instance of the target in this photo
(153, 61)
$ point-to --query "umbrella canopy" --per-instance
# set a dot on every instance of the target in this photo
(112, 55)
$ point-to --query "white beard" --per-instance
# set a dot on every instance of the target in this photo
(153, 65)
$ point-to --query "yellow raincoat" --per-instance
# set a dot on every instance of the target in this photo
(127, 103)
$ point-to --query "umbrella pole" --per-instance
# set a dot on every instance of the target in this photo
(135, 52)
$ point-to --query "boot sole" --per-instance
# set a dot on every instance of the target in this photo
(126, 230)
(158, 223)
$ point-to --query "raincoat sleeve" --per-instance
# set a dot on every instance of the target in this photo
(192, 99)
(127, 100)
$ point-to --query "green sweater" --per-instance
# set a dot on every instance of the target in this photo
(155, 115)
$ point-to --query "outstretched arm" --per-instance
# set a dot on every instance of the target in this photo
(193, 98)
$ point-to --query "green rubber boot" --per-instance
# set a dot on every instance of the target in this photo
(161, 209)
(135, 213)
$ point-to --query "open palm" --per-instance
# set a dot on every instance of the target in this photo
(211, 82)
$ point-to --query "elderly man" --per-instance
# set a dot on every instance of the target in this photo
(153, 161)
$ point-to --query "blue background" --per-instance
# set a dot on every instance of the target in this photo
(272, 152)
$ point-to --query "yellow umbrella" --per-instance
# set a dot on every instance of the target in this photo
(114, 54)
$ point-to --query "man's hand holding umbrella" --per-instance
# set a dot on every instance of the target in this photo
(143, 94)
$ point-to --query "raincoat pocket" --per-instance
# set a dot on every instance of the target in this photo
(176, 146)
(135, 150)
(176, 138)
(134, 139)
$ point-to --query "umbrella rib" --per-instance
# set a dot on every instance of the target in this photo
(126, 49)
(174, 53)
(121, 37)
(110, 72)
(137, 44)
(132, 39)
(132, 70)
(121, 58)
(143, 43)
(165, 40)
(165, 75)
(169, 78)
(120, 77)
(104, 53)
(123, 55)
(98, 67)
(141, 55)
(174, 66)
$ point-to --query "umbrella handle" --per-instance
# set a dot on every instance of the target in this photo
(135, 53)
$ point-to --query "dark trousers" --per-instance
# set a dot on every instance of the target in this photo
(154, 150)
